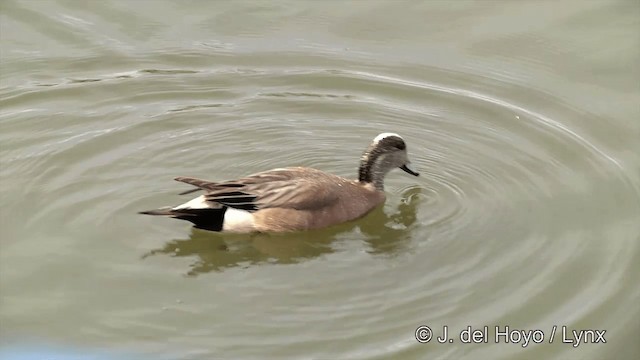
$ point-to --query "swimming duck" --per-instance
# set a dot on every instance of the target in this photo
(293, 198)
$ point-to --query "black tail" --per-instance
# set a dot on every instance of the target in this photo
(161, 211)
(207, 219)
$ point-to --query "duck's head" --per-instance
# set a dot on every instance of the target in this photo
(386, 152)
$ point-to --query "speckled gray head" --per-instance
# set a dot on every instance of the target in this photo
(386, 152)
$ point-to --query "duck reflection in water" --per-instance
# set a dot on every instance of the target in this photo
(384, 234)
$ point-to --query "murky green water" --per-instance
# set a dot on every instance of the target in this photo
(523, 118)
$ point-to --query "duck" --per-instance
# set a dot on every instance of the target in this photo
(292, 198)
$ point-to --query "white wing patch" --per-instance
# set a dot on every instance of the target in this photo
(197, 203)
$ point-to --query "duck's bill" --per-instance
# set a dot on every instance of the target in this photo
(407, 169)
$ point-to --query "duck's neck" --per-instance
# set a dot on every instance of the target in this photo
(373, 168)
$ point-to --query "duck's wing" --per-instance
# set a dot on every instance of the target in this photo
(199, 184)
(294, 188)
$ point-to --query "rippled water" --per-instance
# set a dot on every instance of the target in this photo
(522, 118)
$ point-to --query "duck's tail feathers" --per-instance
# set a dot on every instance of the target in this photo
(167, 211)
(208, 219)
